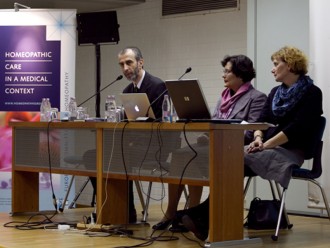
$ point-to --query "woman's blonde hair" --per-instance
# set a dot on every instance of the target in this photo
(295, 58)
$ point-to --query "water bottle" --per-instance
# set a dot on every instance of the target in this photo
(110, 109)
(174, 115)
(45, 107)
(48, 109)
(72, 108)
(166, 107)
(42, 109)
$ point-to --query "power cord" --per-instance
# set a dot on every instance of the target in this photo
(158, 159)
(150, 240)
(193, 240)
(46, 223)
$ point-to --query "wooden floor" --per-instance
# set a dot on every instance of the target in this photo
(306, 232)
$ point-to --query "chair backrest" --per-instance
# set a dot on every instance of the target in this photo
(316, 155)
(321, 127)
(317, 135)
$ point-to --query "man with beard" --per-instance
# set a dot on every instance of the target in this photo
(131, 62)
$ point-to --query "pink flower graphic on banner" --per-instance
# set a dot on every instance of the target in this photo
(5, 151)
(6, 135)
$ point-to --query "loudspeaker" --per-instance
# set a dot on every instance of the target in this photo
(97, 27)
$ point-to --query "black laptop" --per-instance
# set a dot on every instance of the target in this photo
(189, 102)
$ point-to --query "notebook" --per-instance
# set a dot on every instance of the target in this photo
(189, 102)
(136, 106)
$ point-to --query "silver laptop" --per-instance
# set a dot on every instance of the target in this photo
(189, 101)
(137, 106)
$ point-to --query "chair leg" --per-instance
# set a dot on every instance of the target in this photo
(79, 193)
(247, 185)
(67, 194)
(275, 236)
(323, 195)
(186, 195)
(273, 190)
(284, 209)
(146, 206)
(139, 191)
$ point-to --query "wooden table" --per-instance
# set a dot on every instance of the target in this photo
(225, 166)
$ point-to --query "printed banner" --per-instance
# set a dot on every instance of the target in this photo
(37, 52)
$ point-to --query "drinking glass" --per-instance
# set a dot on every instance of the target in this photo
(82, 113)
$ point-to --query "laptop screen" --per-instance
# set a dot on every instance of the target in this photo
(188, 99)
(136, 105)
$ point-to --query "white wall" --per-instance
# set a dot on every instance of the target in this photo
(169, 45)
(275, 24)
(319, 55)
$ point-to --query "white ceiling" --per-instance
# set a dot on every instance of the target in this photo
(80, 5)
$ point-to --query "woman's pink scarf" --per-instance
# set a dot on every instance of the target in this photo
(228, 101)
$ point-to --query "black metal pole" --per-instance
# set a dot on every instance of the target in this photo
(98, 79)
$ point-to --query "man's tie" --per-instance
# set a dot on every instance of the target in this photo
(135, 90)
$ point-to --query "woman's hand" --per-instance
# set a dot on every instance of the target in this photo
(256, 146)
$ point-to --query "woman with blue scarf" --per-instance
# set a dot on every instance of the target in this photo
(294, 107)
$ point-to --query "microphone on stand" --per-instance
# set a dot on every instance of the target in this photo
(117, 79)
(165, 91)
(187, 71)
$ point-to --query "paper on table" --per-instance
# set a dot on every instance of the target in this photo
(268, 124)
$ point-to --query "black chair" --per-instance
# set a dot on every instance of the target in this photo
(164, 147)
(309, 175)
